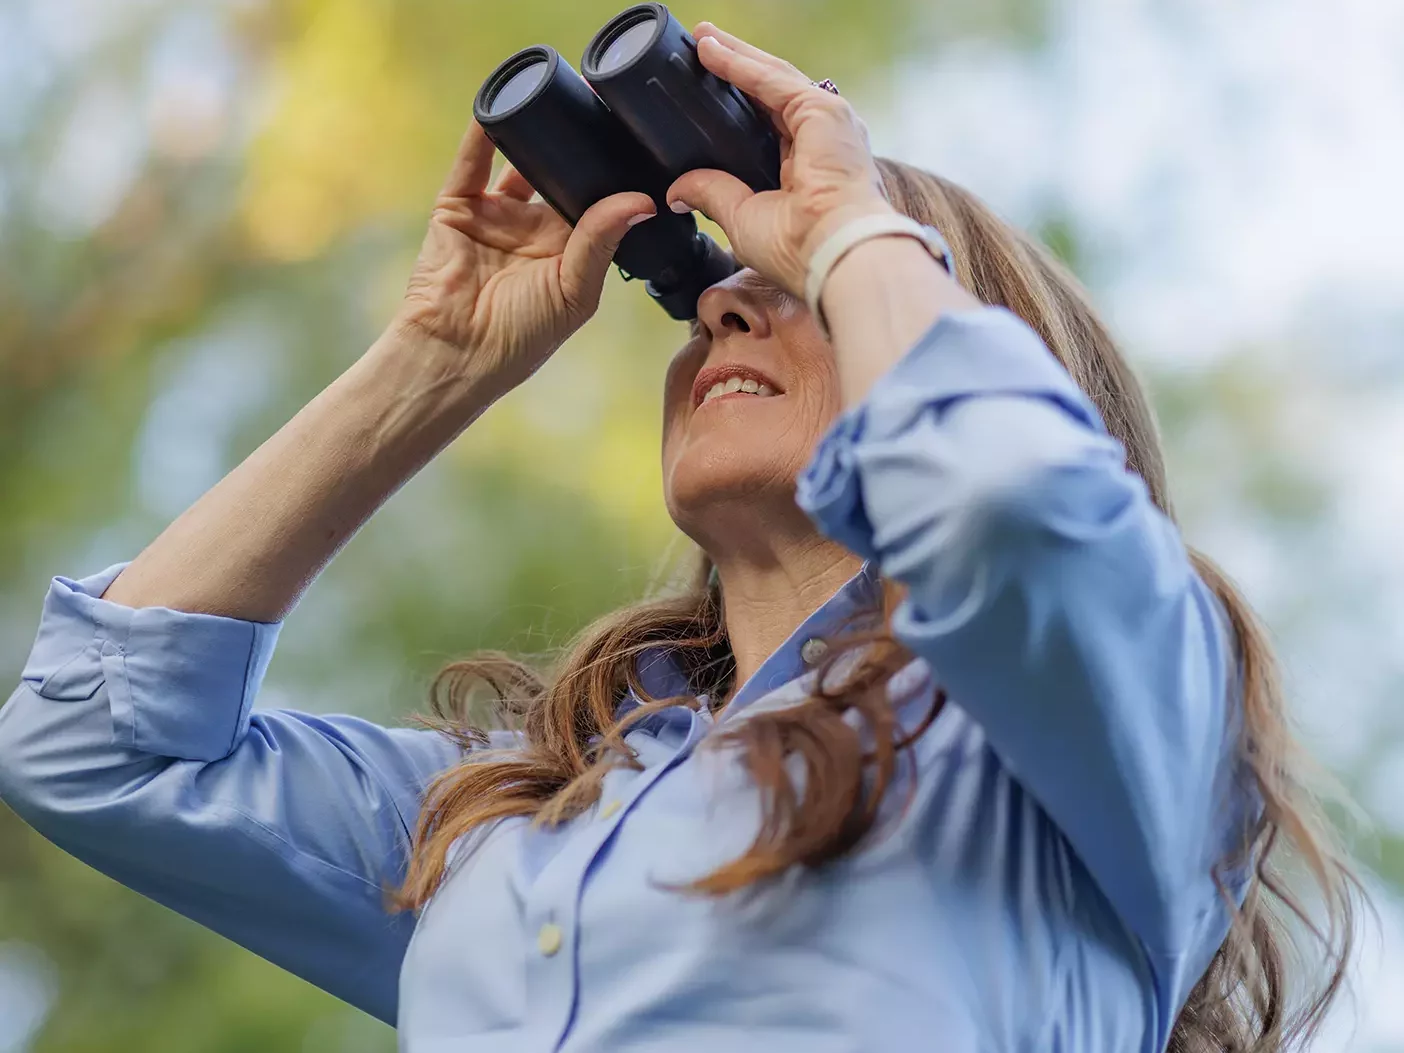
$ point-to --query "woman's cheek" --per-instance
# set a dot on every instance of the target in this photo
(820, 403)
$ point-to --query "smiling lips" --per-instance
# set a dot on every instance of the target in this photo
(731, 380)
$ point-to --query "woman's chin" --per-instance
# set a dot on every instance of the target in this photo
(708, 475)
(736, 449)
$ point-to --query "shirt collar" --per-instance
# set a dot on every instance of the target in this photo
(662, 677)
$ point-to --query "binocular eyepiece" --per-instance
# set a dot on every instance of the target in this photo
(645, 112)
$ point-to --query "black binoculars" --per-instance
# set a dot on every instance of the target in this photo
(645, 112)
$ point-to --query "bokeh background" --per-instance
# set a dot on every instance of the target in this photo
(209, 207)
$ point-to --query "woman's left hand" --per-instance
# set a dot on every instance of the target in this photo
(827, 172)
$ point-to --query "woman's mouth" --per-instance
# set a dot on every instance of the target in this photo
(722, 381)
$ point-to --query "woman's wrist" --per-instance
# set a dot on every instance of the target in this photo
(449, 377)
(860, 206)
(471, 372)
(878, 301)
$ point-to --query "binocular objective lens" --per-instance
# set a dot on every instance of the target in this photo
(517, 87)
(627, 46)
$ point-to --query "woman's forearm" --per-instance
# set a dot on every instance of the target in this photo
(249, 546)
(878, 301)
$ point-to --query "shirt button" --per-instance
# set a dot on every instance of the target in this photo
(548, 939)
(610, 809)
(813, 651)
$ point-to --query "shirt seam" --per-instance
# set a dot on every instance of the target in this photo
(137, 737)
(244, 699)
(119, 647)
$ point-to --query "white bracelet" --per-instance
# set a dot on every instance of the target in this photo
(855, 232)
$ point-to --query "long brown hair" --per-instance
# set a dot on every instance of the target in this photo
(1249, 1001)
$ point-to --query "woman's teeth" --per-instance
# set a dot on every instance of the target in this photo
(749, 386)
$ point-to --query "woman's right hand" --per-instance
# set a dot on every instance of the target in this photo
(502, 279)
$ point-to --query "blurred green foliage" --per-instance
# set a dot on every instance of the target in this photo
(253, 255)
(259, 245)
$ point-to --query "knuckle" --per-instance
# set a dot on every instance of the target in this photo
(813, 207)
(775, 82)
(794, 109)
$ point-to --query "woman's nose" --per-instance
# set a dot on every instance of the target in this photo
(726, 311)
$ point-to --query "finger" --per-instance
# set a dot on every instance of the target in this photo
(787, 171)
(717, 195)
(773, 87)
(740, 46)
(512, 183)
(472, 165)
(592, 244)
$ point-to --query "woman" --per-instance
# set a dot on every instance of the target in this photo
(957, 747)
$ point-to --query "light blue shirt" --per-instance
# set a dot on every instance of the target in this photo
(1048, 885)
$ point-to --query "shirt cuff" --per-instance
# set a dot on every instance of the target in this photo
(178, 685)
(965, 354)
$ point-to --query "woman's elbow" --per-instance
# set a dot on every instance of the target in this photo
(59, 769)
(22, 754)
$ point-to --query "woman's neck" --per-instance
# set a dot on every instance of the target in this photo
(766, 600)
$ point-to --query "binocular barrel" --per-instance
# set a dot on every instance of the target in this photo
(646, 112)
(644, 65)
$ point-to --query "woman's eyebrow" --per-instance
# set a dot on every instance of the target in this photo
(767, 292)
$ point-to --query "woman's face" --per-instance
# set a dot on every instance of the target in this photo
(722, 445)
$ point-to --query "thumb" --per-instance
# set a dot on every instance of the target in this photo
(591, 246)
(717, 195)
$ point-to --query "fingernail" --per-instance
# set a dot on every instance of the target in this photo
(636, 220)
(680, 206)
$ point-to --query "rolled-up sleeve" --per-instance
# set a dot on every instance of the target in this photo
(132, 743)
(178, 685)
(1058, 607)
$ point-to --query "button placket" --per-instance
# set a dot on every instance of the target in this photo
(553, 907)
(550, 973)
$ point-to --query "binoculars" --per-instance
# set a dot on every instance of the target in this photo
(645, 112)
